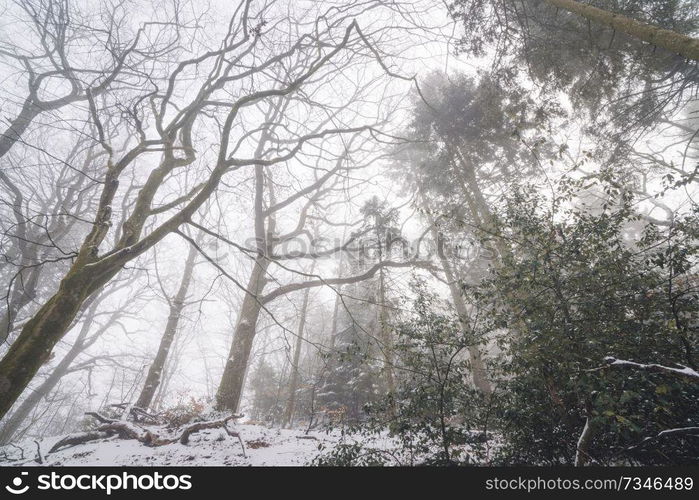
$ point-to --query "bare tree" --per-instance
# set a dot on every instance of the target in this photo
(54, 60)
(269, 252)
(210, 91)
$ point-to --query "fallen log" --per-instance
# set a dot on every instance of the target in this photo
(126, 430)
(110, 427)
(79, 438)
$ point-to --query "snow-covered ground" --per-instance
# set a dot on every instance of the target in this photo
(263, 446)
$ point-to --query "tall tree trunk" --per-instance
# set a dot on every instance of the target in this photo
(231, 387)
(50, 323)
(479, 373)
(26, 251)
(177, 304)
(483, 216)
(670, 40)
(87, 274)
(336, 319)
(386, 339)
(338, 299)
(293, 383)
(170, 367)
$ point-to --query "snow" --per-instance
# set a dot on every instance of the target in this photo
(688, 372)
(684, 370)
(263, 446)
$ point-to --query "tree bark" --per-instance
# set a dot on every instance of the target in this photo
(19, 416)
(40, 334)
(232, 382)
(177, 304)
(231, 387)
(667, 39)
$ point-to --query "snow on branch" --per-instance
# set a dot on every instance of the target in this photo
(680, 431)
(684, 371)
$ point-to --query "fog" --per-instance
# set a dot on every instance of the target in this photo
(457, 226)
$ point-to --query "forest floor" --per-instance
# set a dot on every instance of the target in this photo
(263, 446)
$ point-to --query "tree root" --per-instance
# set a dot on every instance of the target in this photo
(212, 424)
(39, 459)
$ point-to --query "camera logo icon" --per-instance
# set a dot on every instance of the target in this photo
(16, 487)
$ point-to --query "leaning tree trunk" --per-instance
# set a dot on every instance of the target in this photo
(177, 304)
(19, 416)
(40, 334)
(479, 373)
(293, 383)
(667, 39)
(25, 291)
(87, 274)
(231, 387)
